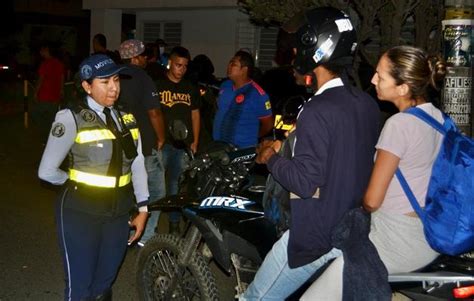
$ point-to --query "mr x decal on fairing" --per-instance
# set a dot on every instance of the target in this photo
(232, 202)
(243, 158)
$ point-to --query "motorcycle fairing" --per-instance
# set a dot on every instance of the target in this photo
(172, 203)
(226, 231)
(228, 202)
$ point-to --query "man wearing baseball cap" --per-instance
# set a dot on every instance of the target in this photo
(92, 210)
(140, 97)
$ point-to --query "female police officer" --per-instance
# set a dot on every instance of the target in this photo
(104, 157)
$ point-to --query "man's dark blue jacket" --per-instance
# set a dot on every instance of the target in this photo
(336, 134)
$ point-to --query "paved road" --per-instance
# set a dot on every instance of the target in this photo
(30, 264)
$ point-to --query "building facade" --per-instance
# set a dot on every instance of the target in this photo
(216, 28)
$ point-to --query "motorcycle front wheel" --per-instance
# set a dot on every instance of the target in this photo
(157, 265)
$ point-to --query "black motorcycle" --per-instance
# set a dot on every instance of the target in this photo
(226, 223)
(447, 278)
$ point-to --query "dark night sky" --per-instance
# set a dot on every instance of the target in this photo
(7, 16)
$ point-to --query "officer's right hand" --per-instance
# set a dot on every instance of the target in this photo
(138, 223)
(160, 144)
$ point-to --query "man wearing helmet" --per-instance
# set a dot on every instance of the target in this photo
(332, 158)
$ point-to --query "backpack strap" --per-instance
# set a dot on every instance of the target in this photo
(403, 182)
(411, 197)
(427, 118)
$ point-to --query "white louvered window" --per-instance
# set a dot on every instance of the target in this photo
(170, 31)
(172, 34)
(151, 32)
(246, 36)
(267, 47)
(259, 41)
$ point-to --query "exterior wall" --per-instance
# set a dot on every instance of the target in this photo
(58, 8)
(208, 26)
(150, 4)
(109, 23)
(212, 32)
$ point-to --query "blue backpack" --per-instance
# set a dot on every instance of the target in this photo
(448, 215)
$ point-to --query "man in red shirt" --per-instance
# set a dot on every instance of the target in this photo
(49, 91)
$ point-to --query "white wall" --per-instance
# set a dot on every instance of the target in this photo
(109, 23)
(212, 32)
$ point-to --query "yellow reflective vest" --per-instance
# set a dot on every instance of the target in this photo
(92, 150)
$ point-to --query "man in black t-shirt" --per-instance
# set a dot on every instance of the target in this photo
(139, 96)
(180, 100)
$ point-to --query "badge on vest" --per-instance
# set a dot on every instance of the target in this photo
(58, 130)
(87, 115)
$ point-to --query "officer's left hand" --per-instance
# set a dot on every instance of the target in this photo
(138, 223)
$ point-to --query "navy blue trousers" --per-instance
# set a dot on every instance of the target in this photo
(92, 248)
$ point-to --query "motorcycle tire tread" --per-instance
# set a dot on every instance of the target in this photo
(197, 266)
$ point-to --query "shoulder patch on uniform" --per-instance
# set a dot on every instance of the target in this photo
(87, 115)
(268, 105)
(259, 89)
(58, 130)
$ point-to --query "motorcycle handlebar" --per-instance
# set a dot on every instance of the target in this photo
(222, 158)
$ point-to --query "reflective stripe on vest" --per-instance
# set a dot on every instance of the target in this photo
(101, 134)
(134, 133)
(98, 180)
(94, 135)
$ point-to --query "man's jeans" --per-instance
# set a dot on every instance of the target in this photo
(153, 166)
(174, 161)
(275, 280)
(164, 168)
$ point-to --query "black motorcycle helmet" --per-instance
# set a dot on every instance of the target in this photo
(322, 35)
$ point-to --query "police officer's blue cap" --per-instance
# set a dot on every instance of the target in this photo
(98, 66)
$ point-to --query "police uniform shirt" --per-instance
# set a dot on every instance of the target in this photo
(60, 141)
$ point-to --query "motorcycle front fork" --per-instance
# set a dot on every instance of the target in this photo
(190, 245)
(245, 271)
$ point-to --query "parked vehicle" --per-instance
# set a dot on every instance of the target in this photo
(226, 223)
